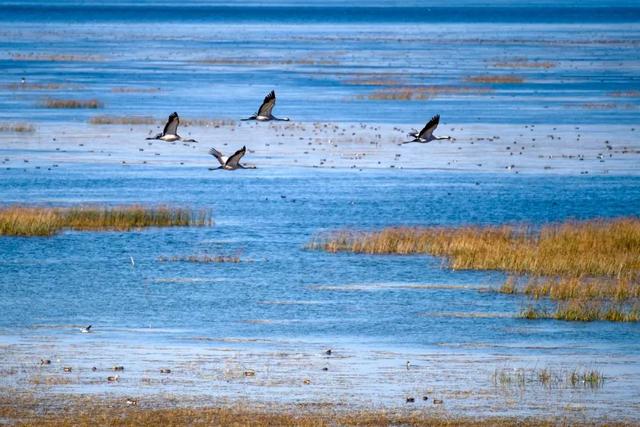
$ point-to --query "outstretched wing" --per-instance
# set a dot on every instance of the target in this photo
(171, 128)
(234, 159)
(426, 132)
(218, 155)
(267, 105)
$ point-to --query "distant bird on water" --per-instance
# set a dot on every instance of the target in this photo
(232, 162)
(264, 112)
(86, 330)
(426, 134)
(170, 131)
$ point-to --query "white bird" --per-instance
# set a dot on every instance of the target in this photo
(264, 112)
(232, 162)
(426, 134)
(170, 131)
(86, 330)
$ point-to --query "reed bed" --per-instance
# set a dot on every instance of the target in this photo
(585, 310)
(420, 93)
(113, 120)
(72, 103)
(201, 259)
(496, 79)
(17, 127)
(46, 221)
(609, 248)
(566, 288)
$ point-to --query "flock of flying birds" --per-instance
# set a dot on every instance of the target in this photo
(264, 114)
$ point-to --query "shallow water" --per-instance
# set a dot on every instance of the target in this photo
(279, 308)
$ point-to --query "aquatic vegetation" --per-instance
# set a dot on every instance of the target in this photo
(17, 127)
(128, 89)
(496, 79)
(33, 86)
(55, 57)
(608, 248)
(547, 377)
(419, 93)
(524, 63)
(47, 221)
(266, 61)
(216, 123)
(72, 103)
(113, 120)
(586, 310)
(203, 259)
(626, 94)
(592, 267)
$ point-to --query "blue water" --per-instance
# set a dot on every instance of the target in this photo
(217, 61)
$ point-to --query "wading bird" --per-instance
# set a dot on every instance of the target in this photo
(232, 162)
(170, 131)
(426, 134)
(264, 112)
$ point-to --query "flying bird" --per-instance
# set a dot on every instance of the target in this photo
(86, 330)
(426, 134)
(170, 131)
(232, 162)
(264, 112)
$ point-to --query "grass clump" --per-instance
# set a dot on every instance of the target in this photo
(202, 259)
(72, 103)
(45, 221)
(496, 79)
(419, 93)
(113, 120)
(17, 127)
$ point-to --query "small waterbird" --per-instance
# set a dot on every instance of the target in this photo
(86, 330)
(232, 162)
(264, 112)
(426, 134)
(114, 378)
(170, 131)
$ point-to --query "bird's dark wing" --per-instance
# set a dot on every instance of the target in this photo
(218, 155)
(234, 159)
(267, 105)
(171, 128)
(426, 132)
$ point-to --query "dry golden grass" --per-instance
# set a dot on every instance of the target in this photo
(203, 259)
(43, 221)
(17, 127)
(420, 93)
(496, 79)
(565, 288)
(113, 120)
(586, 310)
(72, 103)
(70, 411)
(589, 248)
